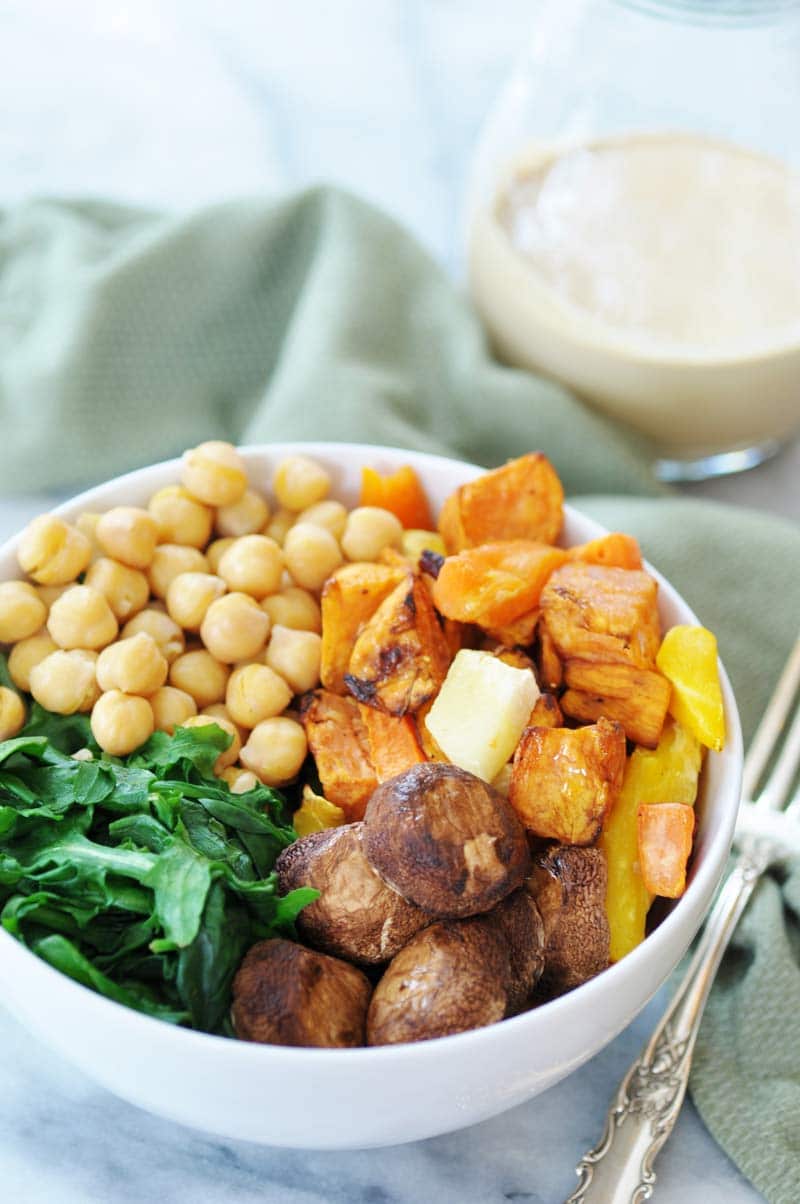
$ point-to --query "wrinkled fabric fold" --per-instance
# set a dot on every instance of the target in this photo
(126, 336)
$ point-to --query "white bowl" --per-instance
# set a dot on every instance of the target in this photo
(340, 1099)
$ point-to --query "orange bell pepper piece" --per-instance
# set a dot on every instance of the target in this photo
(401, 492)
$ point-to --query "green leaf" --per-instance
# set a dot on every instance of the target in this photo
(66, 957)
(190, 748)
(207, 967)
(180, 879)
(66, 733)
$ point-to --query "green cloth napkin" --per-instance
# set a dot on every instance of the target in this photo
(126, 336)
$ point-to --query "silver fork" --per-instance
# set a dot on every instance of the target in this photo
(619, 1170)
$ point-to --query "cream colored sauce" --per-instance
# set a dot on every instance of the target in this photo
(672, 238)
(659, 276)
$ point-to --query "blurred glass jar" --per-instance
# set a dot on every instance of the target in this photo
(634, 220)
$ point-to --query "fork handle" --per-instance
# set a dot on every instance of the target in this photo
(619, 1170)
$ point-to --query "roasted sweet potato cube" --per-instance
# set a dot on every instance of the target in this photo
(495, 584)
(615, 550)
(564, 782)
(594, 613)
(520, 633)
(401, 656)
(338, 742)
(522, 500)
(546, 712)
(550, 669)
(350, 598)
(394, 744)
(636, 698)
(665, 832)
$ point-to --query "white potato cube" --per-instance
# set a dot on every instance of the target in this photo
(481, 711)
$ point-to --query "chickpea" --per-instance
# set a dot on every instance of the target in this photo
(240, 780)
(252, 565)
(296, 656)
(275, 751)
(171, 708)
(27, 653)
(234, 628)
(255, 693)
(214, 473)
(49, 593)
(86, 522)
(12, 713)
(226, 758)
(164, 630)
(82, 618)
(245, 517)
(121, 722)
(369, 530)
(189, 596)
(53, 552)
(22, 611)
(215, 550)
(66, 682)
(199, 674)
(129, 534)
(134, 666)
(294, 607)
(311, 554)
(125, 589)
(171, 559)
(180, 518)
(329, 514)
(299, 482)
(218, 710)
(279, 524)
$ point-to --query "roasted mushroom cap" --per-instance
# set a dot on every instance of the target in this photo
(569, 885)
(357, 916)
(284, 994)
(451, 977)
(445, 840)
(519, 926)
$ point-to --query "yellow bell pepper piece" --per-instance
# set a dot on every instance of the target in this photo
(688, 657)
(316, 813)
(666, 774)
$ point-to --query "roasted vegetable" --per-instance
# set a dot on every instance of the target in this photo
(688, 657)
(445, 840)
(316, 814)
(518, 922)
(337, 739)
(607, 615)
(665, 832)
(284, 994)
(449, 978)
(564, 781)
(636, 698)
(401, 656)
(393, 742)
(495, 584)
(614, 550)
(522, 500)
(401, 493)
(480, 712)
(546, 712)
(357, 916)
(569, 885)
(669, 773)
(351, 596)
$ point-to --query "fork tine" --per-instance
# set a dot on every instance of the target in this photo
(779, 782)
(772, 724)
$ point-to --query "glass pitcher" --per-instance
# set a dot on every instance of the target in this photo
(634, 220)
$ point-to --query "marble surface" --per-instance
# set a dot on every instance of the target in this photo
(176, 103)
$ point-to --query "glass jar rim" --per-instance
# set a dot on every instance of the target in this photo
(717, 12)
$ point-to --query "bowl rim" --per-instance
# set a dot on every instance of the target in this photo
(527, 1025)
